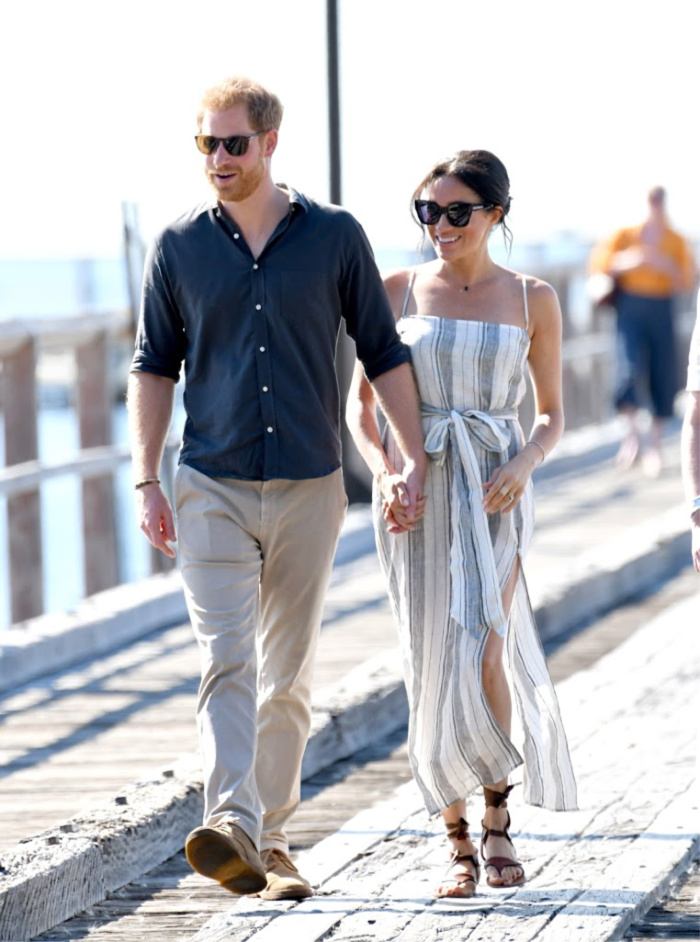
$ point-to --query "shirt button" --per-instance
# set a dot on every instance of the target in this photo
(255, 267)
(269, 428)
(262, 349)
(236, 235)
(264, 388)
(258, 307)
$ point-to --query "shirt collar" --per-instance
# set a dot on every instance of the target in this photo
(295, 199)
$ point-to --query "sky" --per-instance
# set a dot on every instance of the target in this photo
(588, 105)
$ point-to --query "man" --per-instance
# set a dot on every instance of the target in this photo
(248, 292)
(651, 264)
(690, 440)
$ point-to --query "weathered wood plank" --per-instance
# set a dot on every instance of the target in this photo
(598, 790)
(425, 876)
(660, 852)
(94, 401)
(28, 904)
(19, 403)
(584, 867)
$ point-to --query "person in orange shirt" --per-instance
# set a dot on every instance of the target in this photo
(650, 264)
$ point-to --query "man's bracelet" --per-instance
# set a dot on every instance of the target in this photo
(137, 487)
(695, 506)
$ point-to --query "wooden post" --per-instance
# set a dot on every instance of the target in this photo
(101, 563)
(23, 510)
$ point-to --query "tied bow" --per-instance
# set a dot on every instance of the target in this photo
(472, 563)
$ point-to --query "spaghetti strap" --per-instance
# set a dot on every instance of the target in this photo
(408, 292)
(527, 315)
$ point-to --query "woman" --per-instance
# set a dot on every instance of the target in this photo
(455, 577)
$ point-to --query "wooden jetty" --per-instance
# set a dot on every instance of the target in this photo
(92, 722)
(96, 788)
(590, 871)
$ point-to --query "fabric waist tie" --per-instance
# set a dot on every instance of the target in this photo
(475, 602)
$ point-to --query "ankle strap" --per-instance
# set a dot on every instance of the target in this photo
(495, 799)
(459, 830)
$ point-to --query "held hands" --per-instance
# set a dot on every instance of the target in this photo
(155, 518)
(506, 485)
(403, 503)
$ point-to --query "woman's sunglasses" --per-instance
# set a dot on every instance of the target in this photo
(458, 214)
(236, 145)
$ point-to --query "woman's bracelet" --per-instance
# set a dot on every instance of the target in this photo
(532, 442)
(695, 505)
(137, 487)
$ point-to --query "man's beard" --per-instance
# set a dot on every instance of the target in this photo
(243, 186)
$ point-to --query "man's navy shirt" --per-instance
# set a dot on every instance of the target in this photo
(258, 336)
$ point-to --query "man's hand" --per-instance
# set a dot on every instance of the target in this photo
(155, 518)
(403, 504)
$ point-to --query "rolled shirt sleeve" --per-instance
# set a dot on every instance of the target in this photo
(160, 338)
(368, 315)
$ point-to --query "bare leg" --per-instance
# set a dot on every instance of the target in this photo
(652, 458)
(629, 447)
(498, 696)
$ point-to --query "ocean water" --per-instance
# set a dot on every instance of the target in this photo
(52, 288)
(62, 287)
(65, 287)
(61, 517)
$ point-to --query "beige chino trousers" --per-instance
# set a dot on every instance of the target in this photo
(256, 559)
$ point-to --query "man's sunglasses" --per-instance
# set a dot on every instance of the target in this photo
(458, 214)
(236, 145)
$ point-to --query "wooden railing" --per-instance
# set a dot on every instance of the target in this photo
(88, 342)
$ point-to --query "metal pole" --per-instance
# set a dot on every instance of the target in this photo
(333, 101)
(355, 474)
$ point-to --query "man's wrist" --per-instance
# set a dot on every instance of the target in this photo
(144, 482)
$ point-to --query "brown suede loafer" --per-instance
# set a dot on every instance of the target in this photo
(226, 854)
(283, 879)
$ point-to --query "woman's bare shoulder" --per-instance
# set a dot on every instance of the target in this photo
(542, 300)
(538, 291)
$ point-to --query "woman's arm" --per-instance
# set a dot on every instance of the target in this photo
(545, 367)
(361, 418)
(545, 370)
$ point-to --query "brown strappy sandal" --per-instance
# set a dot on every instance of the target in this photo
(497, 800)
(463, 881)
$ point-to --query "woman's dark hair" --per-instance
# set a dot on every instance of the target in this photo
(482, 172)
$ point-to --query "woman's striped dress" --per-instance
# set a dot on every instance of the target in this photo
(445, 578)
